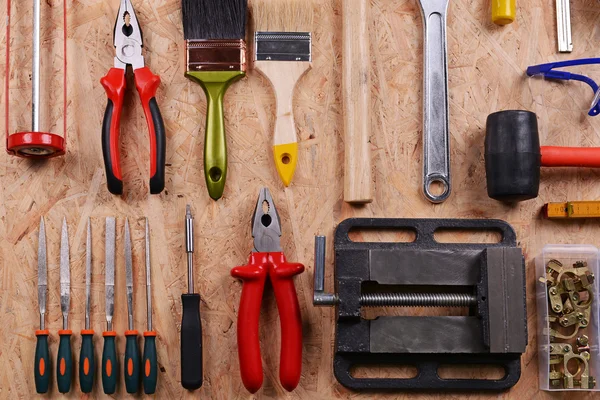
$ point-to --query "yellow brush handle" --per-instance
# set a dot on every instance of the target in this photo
(284, 76)
(503, 11)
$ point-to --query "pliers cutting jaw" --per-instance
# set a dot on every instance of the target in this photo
(128, 51)
(267, 259)
(266, 227)
(128, 38)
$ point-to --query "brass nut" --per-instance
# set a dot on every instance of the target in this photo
(553, 291)
(583, 340)
(557, 307)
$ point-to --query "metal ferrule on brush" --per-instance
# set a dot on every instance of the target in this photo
(282, 46)
(215, 55)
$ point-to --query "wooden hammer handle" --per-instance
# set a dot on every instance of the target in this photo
(357, 101)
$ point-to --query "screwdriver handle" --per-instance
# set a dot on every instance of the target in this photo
(110, 365)
(191, 342)
(150, 374)
(42, 362)
(86, 361)
(64, 365)
(132, 362)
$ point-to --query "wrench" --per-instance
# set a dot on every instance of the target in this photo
(436, 137)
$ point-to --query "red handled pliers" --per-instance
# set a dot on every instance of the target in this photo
(267, 258)
(128, 43)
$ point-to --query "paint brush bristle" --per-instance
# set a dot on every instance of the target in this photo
(282, 15)
(214, 19)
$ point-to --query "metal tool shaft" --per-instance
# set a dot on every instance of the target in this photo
(88, 274)
(436, 135)
(320, 298)
(65, 275)
(189, 246)
(148, 279)
(109, 280)
(129, 275)
(42, 274)
(35, 69)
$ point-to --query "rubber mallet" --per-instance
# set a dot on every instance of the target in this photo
(513, 156)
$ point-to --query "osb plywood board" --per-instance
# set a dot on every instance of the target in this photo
(486, 74)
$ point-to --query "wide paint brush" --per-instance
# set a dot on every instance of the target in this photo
(282, 43)
(214, 32)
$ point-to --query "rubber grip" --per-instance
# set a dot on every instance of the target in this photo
(132, 362)
(114, 84)
(554, 156)
(42, 362)
(64, 364)
(149, 363)
(191, 342)
(110, 364)
(282, 275)
(147, 83)
(87, 363)
(253, 276)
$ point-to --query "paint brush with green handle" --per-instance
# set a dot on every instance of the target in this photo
(214, 33)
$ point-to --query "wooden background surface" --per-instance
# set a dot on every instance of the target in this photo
(486, 69)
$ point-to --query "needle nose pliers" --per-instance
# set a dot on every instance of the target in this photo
(128, 44)
(267, 258)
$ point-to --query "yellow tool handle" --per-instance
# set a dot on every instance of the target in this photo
(503, 11)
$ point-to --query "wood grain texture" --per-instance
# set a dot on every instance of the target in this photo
(284, 77)
(356, 75)
(486, 71)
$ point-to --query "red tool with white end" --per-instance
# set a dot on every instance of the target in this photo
(267, 259)
(128, 44)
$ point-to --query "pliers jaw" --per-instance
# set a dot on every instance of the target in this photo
(266, 226)
(128, 39)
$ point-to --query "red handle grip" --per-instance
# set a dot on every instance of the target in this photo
(114, 84)
(147, 83)
(553, 156)
(282, 278)
(254, 276)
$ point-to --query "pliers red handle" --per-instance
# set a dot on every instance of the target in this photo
(254, 276)
(146, 83)
(267, 259)
(128, 44)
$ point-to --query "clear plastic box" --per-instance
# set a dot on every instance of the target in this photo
(564, 290)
